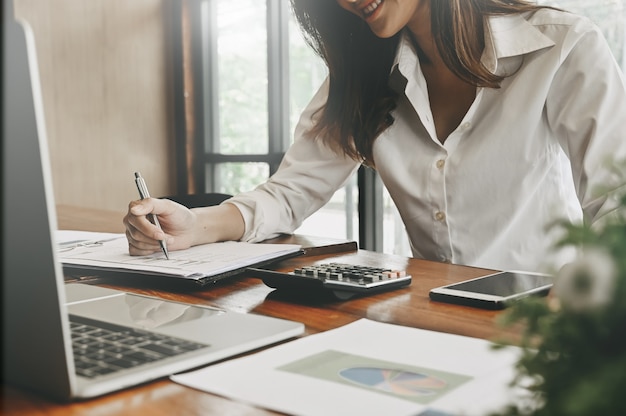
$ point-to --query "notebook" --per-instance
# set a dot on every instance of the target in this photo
(198, 265)
(39, 309)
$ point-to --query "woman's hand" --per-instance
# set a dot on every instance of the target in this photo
(181, 227)
(177, 226)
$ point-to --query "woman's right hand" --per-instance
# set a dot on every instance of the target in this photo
(177, 226)
(181, 227)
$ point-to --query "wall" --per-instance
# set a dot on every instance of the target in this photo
(104, 78)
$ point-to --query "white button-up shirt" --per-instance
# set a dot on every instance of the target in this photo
(531, 152)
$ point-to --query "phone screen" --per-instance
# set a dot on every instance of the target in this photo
(503, 284)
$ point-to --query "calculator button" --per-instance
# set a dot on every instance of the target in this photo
(341, 280)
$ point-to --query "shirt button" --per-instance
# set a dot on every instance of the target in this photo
(440, 216)
(466, 125)
(440, 164)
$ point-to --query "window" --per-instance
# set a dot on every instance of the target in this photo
(247, 74)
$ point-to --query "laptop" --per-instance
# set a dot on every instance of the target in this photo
(39, 309)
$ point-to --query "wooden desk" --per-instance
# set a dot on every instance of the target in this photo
(410, 306)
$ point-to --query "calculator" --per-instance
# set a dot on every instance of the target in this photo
(341, 280)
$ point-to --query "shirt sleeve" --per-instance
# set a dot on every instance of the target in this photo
(306, 179)
(586, 109)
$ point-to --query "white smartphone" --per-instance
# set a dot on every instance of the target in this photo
(494, 291)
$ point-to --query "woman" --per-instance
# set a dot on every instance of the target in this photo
(486, 120)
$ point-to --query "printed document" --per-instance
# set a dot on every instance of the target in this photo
(369, 368)
(109, 252)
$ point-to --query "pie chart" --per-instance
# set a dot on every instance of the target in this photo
(400, 382)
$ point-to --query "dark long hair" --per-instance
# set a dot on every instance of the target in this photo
(360, 100)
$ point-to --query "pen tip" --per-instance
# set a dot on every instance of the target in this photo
(137, 174)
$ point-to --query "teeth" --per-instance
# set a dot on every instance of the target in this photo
(372, 7)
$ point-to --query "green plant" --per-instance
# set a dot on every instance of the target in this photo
(574, 342)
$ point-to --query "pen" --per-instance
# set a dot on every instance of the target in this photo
(143, 194)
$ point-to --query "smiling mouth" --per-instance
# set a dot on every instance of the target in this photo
(371, 8)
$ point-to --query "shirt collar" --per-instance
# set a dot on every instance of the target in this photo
(508, 36)
(406, 56)
(505, 36)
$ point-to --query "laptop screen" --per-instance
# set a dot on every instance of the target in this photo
(32, 279)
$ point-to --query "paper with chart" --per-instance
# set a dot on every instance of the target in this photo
(369, 368)
(110, 252)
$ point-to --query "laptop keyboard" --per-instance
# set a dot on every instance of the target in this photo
(101, 348)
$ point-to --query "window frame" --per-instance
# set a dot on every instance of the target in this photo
(196, 86)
